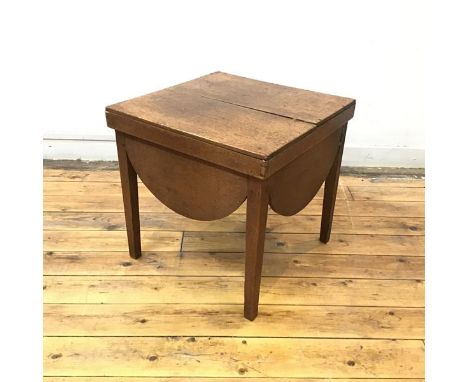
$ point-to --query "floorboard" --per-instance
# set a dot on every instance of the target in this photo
(102, 263)
(115, 221)
(233, 357)
(113, 203)
(350, 311)
(226, 320)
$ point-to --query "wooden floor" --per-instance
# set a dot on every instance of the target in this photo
(351, 310)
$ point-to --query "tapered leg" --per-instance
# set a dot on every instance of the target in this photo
(128, 178)
(329, 198)
(257, 210)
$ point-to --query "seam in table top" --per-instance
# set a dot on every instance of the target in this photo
(255, 109)
(315, 124)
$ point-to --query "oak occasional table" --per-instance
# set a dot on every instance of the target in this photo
(205, 146)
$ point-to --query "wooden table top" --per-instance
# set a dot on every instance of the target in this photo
(255, 118)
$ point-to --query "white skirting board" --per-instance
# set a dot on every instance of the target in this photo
(104, 149)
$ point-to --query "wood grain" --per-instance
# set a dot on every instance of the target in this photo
(115, 221)
(129, 183)
(233, 357)
(257, 213)
(112, 176)
(113, 203)
(222, 124)
(113, 188)
(330, 190)
(398, 194)
(383, 181)
(187, 144)
(226, 320)
(232, 264)
(228, 290)
(271, 98)
(192, 188)
(386, 245)
(109, 240)
(65, 175)
(294, 186)
(224, 110)
(307, 243)
(106, 315)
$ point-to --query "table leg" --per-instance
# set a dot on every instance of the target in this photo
(331, 187)
(257, 211)
(129, 182)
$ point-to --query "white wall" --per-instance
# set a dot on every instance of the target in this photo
(100, 52)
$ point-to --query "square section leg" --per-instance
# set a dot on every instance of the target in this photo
(129, 182)
(257, 211)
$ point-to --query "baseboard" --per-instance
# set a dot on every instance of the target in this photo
(103, 148)
(96, 148)
(404, 157)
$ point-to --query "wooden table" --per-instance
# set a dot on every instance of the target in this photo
(205, 146)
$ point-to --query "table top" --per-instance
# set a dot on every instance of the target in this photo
(255, 118)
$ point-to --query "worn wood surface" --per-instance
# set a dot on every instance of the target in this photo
(226, 320)
(233, 357)
(61, 174)
(113, 203)
(271, 98)
(189, 145)
(248, 126)
(387, 193)
(244, 115)
(228, 290)
(342, 224)
(232, 264)
(351, 310)
(109, 240)
(308, 243)
(383, 181)
(238, 129)
(113, 188)
(388, 245)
